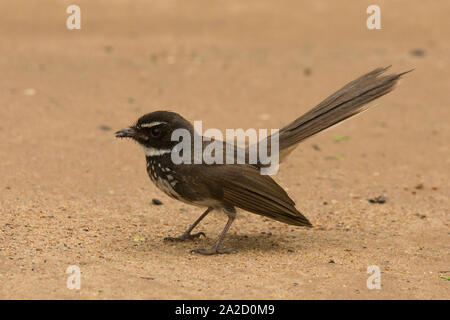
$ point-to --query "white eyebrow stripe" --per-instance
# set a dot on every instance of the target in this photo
(152, 124)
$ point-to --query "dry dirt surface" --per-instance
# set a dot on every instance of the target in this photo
(72, 194)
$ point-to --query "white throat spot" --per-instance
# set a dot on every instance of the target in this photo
(153, 152)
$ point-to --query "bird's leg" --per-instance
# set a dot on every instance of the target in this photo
(187, 234)
(215, 249)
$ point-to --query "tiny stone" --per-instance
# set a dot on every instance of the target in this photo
(157, 202)
(417, 52)
(379, 199)
(104, 128)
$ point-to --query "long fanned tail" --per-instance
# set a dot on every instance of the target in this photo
(345, 103)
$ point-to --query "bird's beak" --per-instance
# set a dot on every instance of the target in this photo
(126, 133)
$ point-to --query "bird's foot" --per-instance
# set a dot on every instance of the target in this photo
(185, 236)
(213, 250)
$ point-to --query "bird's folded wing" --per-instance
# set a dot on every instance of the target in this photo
(243, 186)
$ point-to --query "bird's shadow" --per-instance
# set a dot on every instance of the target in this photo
(264, 242)
(256, 242)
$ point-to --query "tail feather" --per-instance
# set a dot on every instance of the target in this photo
(346, 102)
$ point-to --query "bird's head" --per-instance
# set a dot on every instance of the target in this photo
(153, 131)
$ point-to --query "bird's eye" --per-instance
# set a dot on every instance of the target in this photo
(155, 132)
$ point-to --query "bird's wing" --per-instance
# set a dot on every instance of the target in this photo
(243, 186)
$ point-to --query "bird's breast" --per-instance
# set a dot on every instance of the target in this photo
(163, 177)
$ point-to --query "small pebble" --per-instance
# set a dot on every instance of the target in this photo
(417, 52)
(157, 202)
(379, 199)
(105, 128)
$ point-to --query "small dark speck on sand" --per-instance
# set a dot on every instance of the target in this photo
(157, 202)
(108, 49)
(105, 128)
(379, 199)
(421, 216)
(417, 52)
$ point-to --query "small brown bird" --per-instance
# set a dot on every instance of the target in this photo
(229, 186)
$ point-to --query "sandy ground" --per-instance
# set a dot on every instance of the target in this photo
(71, 194)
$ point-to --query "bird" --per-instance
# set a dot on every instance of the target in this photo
(225, 187)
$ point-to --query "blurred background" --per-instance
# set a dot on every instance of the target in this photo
(72, 195)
